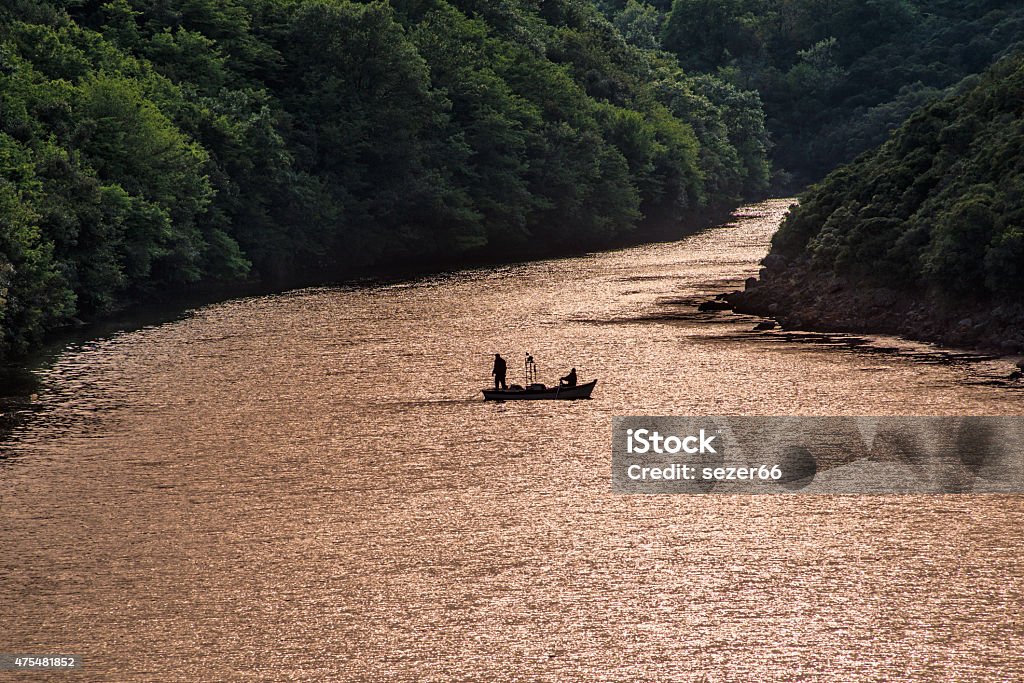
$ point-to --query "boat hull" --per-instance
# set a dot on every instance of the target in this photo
(580, 391)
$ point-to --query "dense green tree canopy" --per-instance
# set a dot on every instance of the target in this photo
(939, 207)
(147, 145)
(837, 76)
(150, 146)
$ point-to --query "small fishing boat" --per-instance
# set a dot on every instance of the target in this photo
(539, 392)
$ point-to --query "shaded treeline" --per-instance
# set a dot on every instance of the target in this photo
(923, 236)
(836, 76)
(147, 146)
(940, 206)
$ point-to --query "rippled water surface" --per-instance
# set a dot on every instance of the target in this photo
(307, 487)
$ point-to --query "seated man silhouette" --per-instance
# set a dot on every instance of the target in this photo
(569, 380)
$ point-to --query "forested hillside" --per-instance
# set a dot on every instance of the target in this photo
(148, 145)
(924, 236)
(836, 76)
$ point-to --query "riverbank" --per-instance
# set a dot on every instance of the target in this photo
(169, 304)
(797, 295)
(920, 238)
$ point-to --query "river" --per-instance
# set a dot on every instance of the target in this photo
(308, 487)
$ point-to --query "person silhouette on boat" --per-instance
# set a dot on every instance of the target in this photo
(499, 372)
(569, 380)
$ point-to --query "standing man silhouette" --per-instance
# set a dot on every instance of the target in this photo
(499, 371)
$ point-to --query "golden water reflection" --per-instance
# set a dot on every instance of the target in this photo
(307, 487)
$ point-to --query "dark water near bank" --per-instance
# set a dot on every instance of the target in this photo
(306, 487)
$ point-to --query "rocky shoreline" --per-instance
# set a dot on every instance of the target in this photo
(800, 297)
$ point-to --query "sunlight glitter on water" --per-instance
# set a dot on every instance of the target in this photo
(308, 487)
